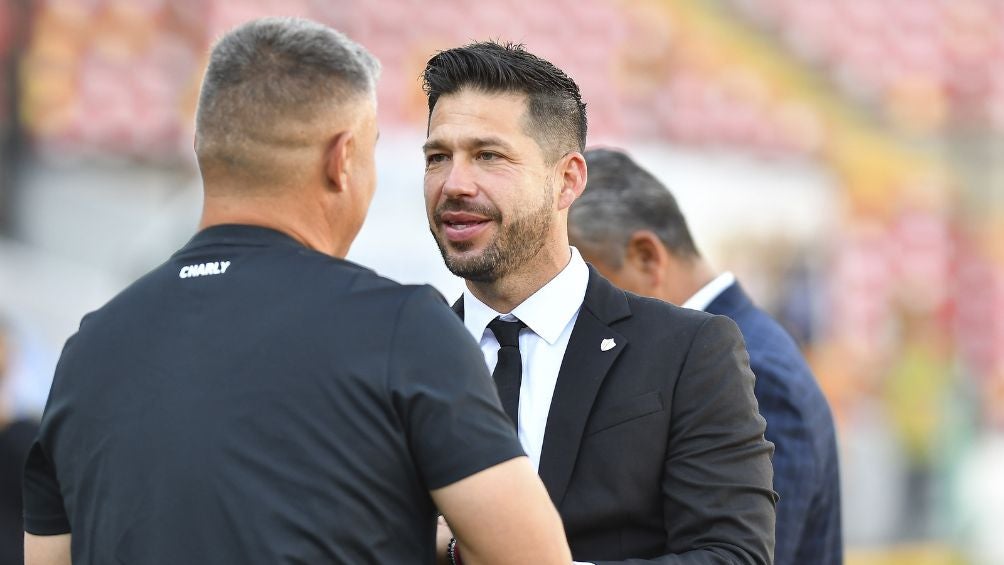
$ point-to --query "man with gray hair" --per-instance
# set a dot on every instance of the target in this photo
(628, 225)
(257, 398)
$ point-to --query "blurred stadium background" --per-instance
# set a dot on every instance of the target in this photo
(844, 157)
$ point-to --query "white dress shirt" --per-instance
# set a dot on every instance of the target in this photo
(710, 291)
(549, 315)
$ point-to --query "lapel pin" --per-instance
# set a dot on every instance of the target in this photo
(607, 344)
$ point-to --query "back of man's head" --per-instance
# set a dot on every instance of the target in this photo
(620, 199)
(274, 87)
(556, 115)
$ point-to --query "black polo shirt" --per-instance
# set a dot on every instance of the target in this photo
(253, 401)
(15, 441)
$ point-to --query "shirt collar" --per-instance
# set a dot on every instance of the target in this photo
(546, 312)
(710, 291)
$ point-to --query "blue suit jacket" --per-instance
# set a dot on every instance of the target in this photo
(800, 425)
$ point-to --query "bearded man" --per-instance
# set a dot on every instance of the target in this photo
(638, 415)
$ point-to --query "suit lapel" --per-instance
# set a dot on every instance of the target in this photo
(583, 370)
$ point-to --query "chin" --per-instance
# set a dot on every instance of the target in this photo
(460, 259)
(471, 271)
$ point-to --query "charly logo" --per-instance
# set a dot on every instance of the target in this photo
(203, 269)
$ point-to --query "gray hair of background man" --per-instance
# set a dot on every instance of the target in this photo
(275, 72)
(620, 199)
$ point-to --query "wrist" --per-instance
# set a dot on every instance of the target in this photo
(453, 553)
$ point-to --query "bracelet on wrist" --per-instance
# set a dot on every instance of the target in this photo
(453, 553)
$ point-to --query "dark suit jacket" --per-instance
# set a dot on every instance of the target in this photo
(800, 425)
(654, 450)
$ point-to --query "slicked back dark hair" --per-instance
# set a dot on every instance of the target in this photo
(556, 114)
(620, 199)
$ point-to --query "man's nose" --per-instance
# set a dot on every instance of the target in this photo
(459, 180)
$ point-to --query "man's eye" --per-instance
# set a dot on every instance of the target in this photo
(434, 158)
(487, 156)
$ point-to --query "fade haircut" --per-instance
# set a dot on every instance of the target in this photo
(275, 72)
(556, 115)
(620, 199)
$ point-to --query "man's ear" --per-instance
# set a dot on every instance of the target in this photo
(648, 257)
(338, 159)
(572, 178)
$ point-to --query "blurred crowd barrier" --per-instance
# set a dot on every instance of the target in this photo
(885, 260)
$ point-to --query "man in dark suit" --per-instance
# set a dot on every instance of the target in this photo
(639, 415)
(259, 399)
(627, 224)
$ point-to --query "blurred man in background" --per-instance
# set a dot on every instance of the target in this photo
(628, 225)
(16, 435)
(258, 399)
(639, 415)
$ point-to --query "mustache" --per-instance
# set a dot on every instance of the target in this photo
(467, 207)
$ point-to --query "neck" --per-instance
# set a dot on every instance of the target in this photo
(509, 291)
(694, 274)
(300, 218)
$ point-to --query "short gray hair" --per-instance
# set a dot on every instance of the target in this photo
(620, 199)
(278, 68)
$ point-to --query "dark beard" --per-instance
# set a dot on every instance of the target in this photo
(511, 247)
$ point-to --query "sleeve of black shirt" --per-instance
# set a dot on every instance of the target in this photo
(44, 514)
(444, 395)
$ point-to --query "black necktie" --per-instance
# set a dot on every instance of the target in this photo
(509, 369)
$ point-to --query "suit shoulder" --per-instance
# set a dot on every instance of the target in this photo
(654, 319)
(764, 330)
(653, 310)
(785, 382)
(772, 350)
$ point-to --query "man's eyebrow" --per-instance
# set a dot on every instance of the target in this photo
(472, 143)
(490, 141)
(432, 144)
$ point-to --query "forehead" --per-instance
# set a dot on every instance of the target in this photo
(471, 112)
